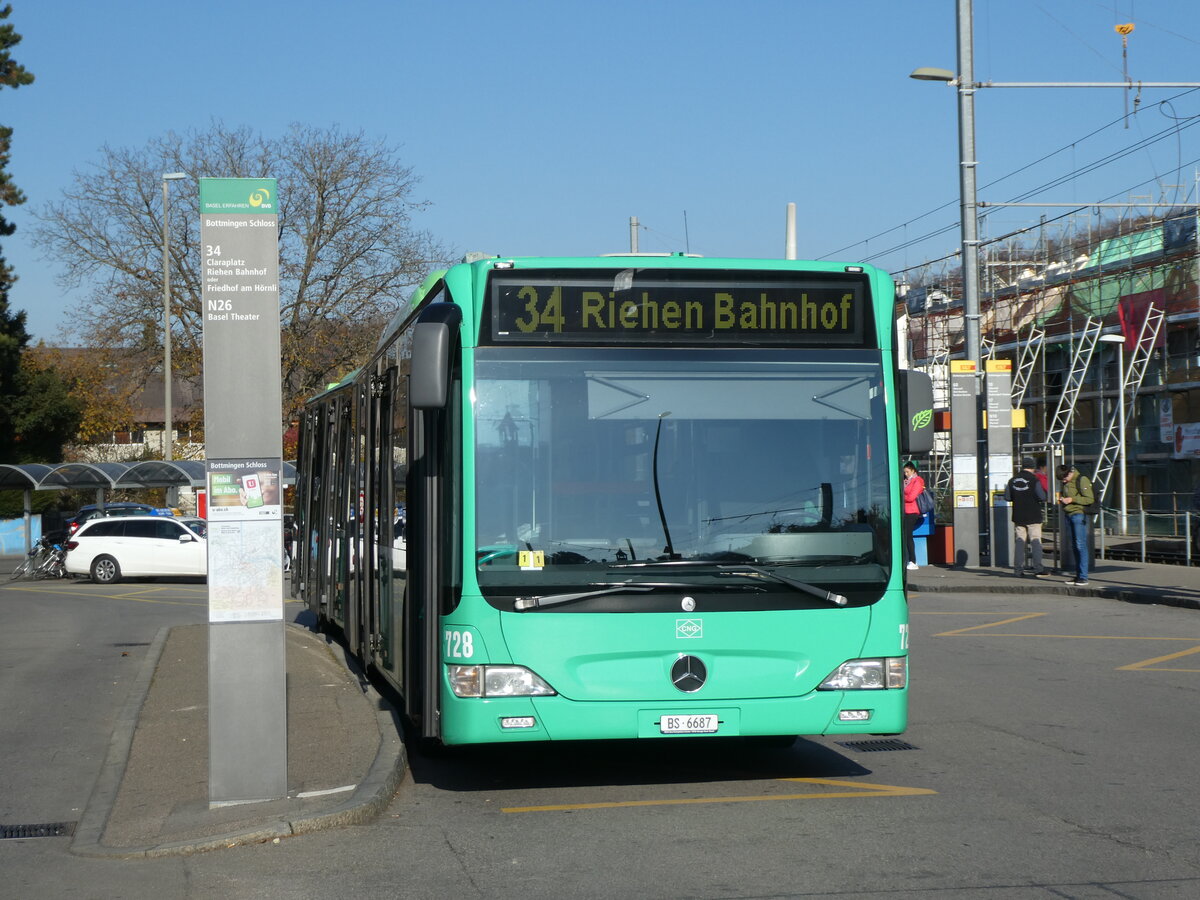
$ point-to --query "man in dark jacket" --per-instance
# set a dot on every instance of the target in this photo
(1027, 496)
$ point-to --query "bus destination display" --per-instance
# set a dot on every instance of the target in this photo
(602, 310)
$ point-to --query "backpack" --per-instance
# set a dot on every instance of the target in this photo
(926, 502)
(1085, 488)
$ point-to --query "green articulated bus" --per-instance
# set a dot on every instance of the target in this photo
(622, 497)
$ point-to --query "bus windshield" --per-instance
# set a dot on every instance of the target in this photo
(596, 464)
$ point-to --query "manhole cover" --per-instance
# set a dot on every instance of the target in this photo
(871, 746)
(54, 829)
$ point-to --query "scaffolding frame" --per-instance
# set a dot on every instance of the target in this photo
(1080, 361)
(1031, 351)
(1134, 373)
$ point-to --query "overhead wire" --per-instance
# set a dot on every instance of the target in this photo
(1028, 228)
(1166, 109)
(1049, 15)
(986, 186)
(1086, 169)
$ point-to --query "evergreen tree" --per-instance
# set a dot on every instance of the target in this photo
(36, 414)
(12, 74)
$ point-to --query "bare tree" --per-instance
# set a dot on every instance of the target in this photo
(349, 251)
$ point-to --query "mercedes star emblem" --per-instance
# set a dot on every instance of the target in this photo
(688, 674)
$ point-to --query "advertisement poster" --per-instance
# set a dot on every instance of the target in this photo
(244, 490)
(1166, 420)
(1187, 441)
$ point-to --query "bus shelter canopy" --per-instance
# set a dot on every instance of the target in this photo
(103, 477)
(153, 473)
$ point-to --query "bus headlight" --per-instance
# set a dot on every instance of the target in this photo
(496, 681)
(868, 675)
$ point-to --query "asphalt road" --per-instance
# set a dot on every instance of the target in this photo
(1053, 753)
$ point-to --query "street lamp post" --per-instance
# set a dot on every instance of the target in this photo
(969, 515)
(1119, 340)
(168, 412)
(968, 199)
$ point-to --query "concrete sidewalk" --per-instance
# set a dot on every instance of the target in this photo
(1132, 582)
(345, 755)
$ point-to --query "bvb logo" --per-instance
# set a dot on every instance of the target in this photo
(259, 197)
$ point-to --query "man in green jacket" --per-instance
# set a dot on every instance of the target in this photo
(1077, 498)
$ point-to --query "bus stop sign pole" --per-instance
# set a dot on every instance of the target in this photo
(247, 709)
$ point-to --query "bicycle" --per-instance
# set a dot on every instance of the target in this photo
(45, 560)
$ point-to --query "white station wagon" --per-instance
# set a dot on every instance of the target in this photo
(108, 549)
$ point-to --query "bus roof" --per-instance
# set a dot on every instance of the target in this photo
(664, 260)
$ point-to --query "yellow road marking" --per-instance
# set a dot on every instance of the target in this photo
(990, 624)
(861, 789)
(1144, 665)
(158, 589)
(39, 589)
(138, 596)
(1149, 664)
(1084, 637)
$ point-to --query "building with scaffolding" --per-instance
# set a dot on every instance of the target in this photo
(1092, 327)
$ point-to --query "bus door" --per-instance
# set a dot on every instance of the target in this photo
(325, 524)
(434, 520)
(380, 516)
(308, 510)
(340, 515)
(358, 550)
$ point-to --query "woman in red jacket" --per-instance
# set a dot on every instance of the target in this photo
(914, 485)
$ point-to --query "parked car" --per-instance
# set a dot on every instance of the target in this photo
(111, 509)
(109, 548)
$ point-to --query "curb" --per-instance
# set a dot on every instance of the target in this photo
(1161, 596)
(369, 799)
(86, 841)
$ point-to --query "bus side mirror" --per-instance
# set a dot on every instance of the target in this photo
(916, 412)
(432, 356)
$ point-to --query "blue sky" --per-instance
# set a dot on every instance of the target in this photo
(542, 127)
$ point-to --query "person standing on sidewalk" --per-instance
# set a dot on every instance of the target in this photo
(914, 486)
(1028, 498)
(1077, 499)
(1040, 471)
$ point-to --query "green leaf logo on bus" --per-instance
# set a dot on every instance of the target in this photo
(922, 418)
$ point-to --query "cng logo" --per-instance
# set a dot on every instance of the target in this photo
(689, 628)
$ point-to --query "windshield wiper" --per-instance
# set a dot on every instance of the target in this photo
(827, 560)
(526, 603)
(704, 563)
(744, 570)
(803, 586)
